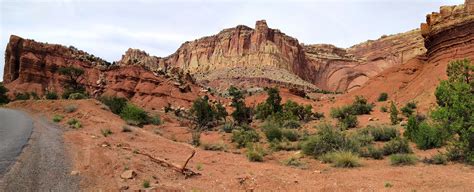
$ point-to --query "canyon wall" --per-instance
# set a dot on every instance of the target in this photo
(33, 67)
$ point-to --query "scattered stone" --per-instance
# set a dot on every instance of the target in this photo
(74, 172)
(124, 187)
(128, 174)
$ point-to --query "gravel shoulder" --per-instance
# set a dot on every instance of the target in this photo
(43, 164)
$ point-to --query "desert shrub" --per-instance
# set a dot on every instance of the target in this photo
(411, 128)
(272, 131)
(243, 136)
(383, 109)
(196, 137)
(349, 122)
(115, 104)
(228, 127)
(292, 124)
(146, 184)
(372, 152)
(77, 96)
(396, 145)
(408, 109)
(214, 146)
(284, 145)
(437, 159)
(428, 137)
(360, 106)
(58, 118)
(393, 113)
(293, 162)
(3, 94)
(328, 139)
(134, 115)
(154, 120)
(380, 132)
(106, 132)
(382, 97)
(289, 134)
(363, 139)
(262, 111)
(254, 153)
(74, 123)
(70, 108)
(126, 128)
(403, 159)
(301, 112)
(345, 117)
(51, 95)
(344, 159)
(22, 96)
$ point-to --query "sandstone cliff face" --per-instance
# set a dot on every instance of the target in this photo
(265, 53)
(32, 67)
(449, 34)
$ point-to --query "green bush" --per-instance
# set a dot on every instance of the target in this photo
(74, 123)
(344, 159)
(393, 113)
(363, 139)
(214, 146)
(284, 145)
(382, 97)
(380, 132)
(70, 108)
(428, 137)
(292, 124)
(411, 128)
(360, 106)
(383, 109)
(51, 95)
(272, 131)
(437, 159)
(375, 153)
(396, 145)
(22, 96)
(115, 104)
(146, 184)
(243, 136)
(293, 162)
(134, 115)
(77, 96)
(349, 122)
(106, 132)
(328, 139)
(154, 120)
(403, 159)
(58, 118)
(254, 153)
(289, 134)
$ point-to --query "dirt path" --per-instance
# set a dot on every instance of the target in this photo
(43, 165)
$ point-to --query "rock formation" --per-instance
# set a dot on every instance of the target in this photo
(32, 67)
(250, 57)
(449, 34)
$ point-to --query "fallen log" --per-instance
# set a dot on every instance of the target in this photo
(181, 169)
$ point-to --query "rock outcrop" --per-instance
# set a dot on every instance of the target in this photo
(32, 67)
(265, 53)
(449, 34)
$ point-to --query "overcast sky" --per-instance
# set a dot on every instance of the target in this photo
(108, 28)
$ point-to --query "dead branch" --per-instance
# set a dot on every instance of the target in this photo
(183, 170)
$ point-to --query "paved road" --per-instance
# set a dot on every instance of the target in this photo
(43, 164)
(15, 129)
